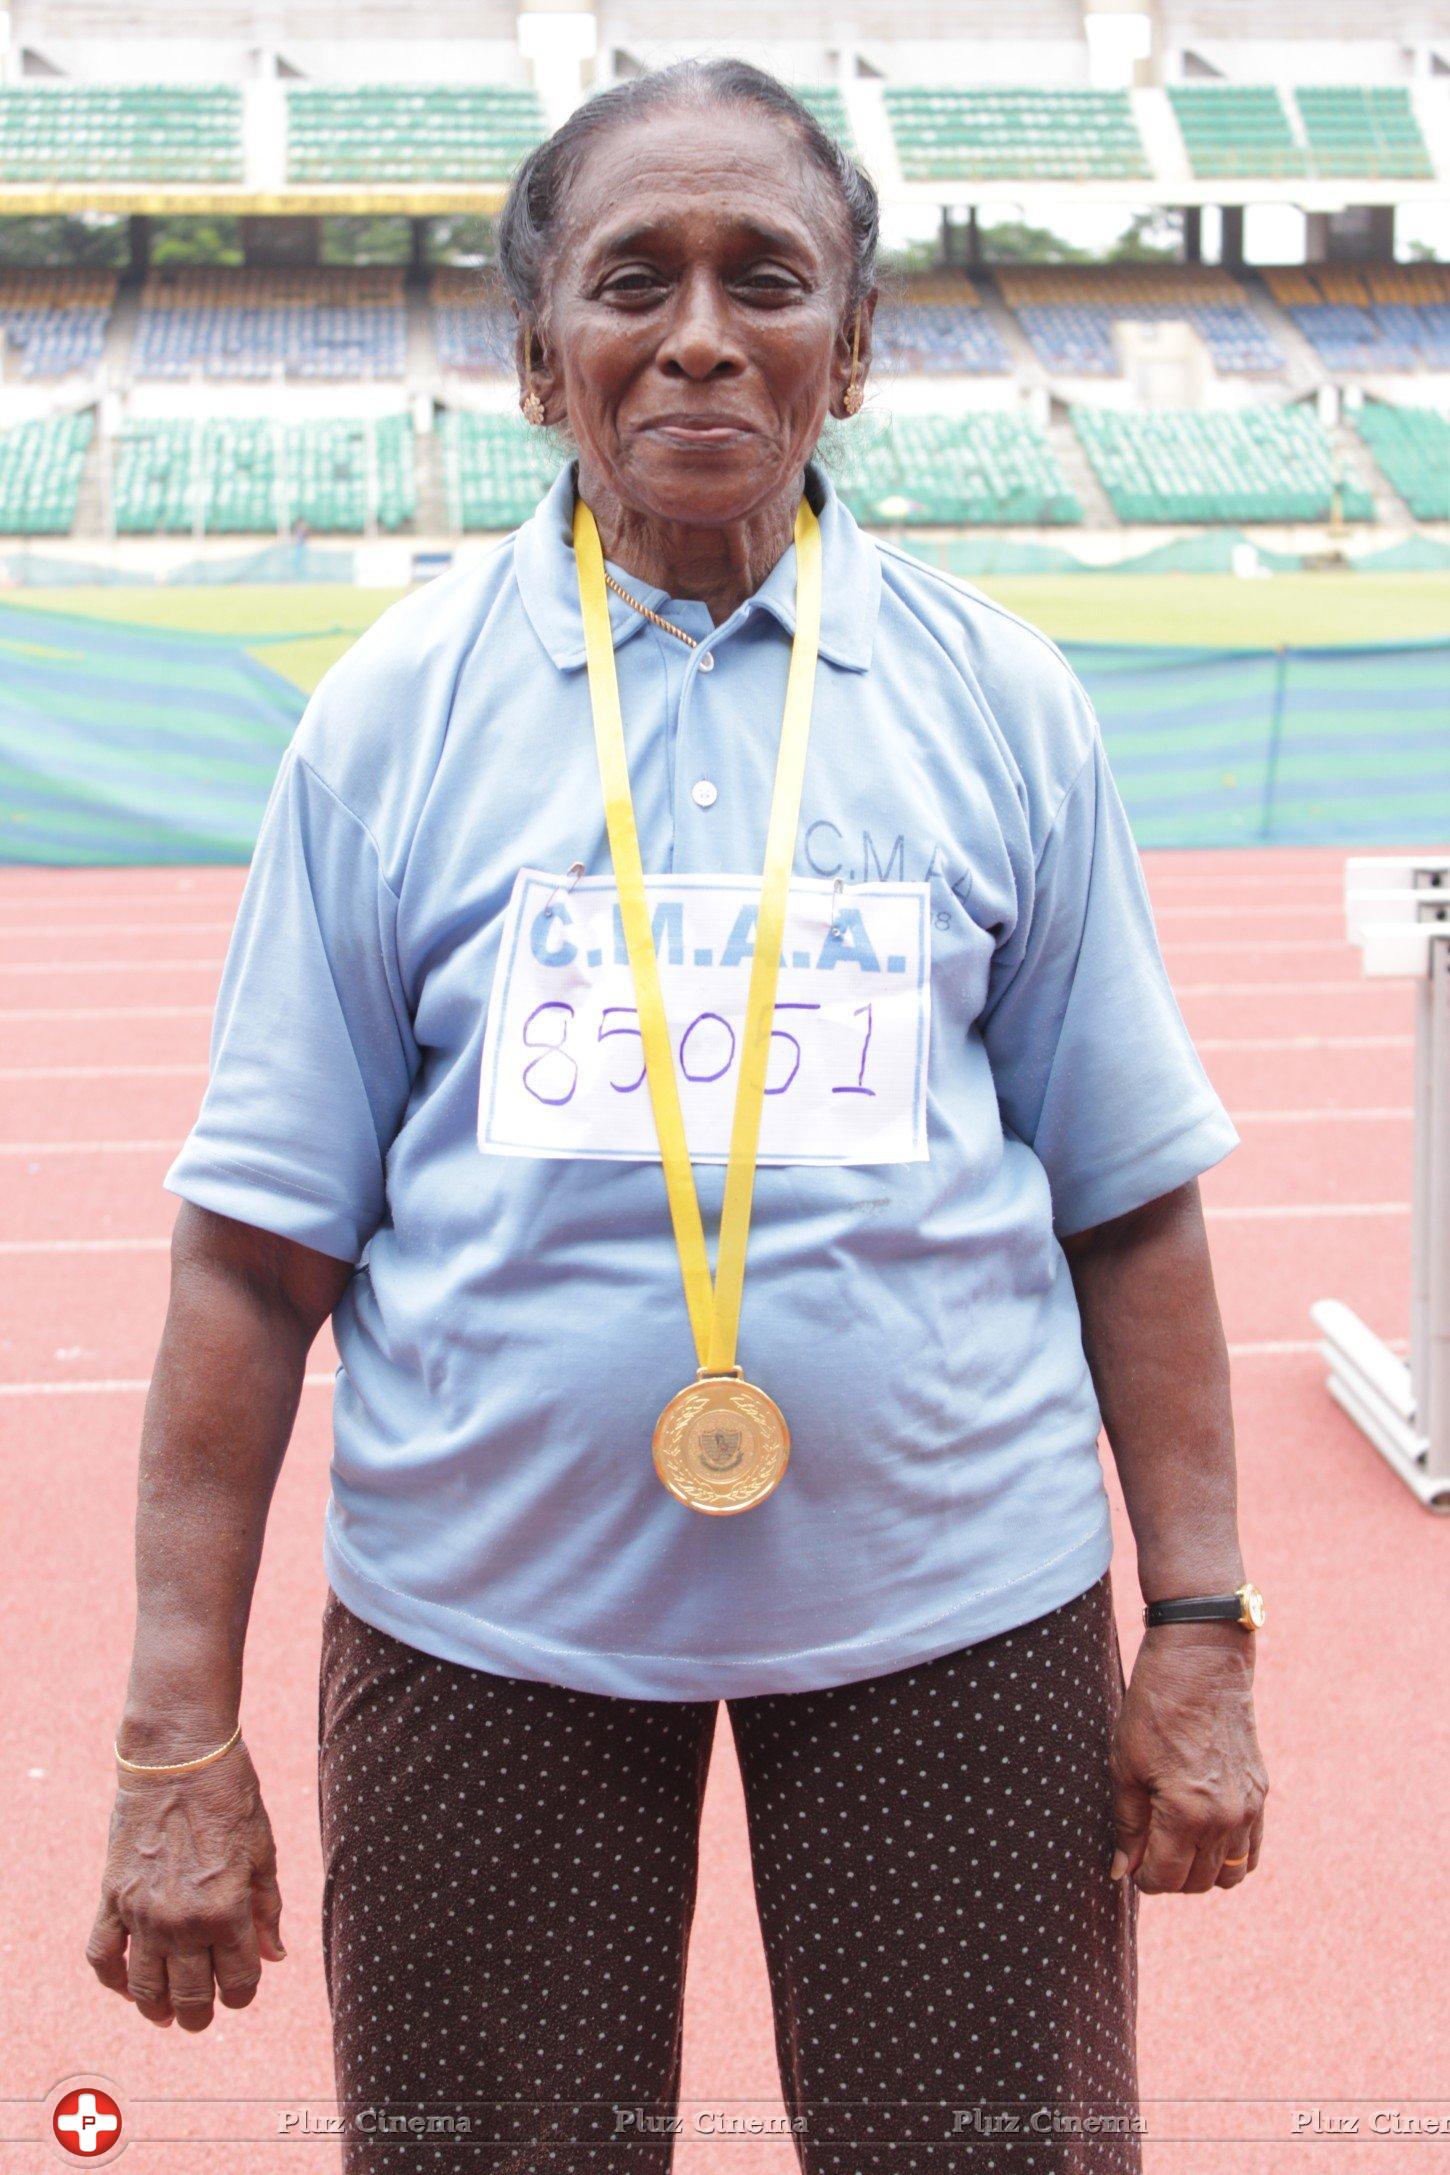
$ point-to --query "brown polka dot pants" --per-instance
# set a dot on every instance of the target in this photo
(510, 1882)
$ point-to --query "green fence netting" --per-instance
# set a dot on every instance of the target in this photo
(122, 744)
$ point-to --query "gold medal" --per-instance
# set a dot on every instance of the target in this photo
(721, 1445)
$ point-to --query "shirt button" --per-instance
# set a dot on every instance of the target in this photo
(707, 661)
(704, 794)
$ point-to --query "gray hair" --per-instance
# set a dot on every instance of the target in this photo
(528, 223)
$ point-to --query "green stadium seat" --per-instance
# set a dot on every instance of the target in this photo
(256, 476)
(988, 466)
(111, 134)
(1366, 131)
(1412, 447)
(407, 134)
(495, 469)
(826, 102)
(1217, 465)
(40, 474)
(1235, 129)
(946, 133)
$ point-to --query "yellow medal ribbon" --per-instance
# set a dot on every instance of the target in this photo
(713, 1303)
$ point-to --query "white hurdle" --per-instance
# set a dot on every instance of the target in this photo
(1398, 911)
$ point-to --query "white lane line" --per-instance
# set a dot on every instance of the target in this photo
(116, 1382)
(1273, 989)
(110, 966)
(1268, 1348)
(84, 1246)
(1300, 1117)
(1267, 1212)
(88, 1147)
(1305, 1042)
(1284, 1347)
(54, 894)
(111, 1012)
(169, 1147)
(1250, 947)
(115, 928)
(1329, 910)
(103, 1072)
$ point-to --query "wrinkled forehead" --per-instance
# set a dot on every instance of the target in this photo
(701, 178)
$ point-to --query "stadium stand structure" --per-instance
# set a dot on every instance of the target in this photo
(1412, 447)
(332, 322)
(947, 133)
(84, 132)
(938, 324)
(1217, 465)
(473, 326)
(495, 469)
(968, 469)
(829, 107)
(1068, 314)
(964, 111)
(1232, 130)
(1369, 317)
(40, 474)
(236, 475)
(405, 133)
(1364, 131)
(55, 321)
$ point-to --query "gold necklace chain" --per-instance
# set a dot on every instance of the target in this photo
(654, 618)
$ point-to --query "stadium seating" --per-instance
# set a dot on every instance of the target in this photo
(495, 469)
(991, 466)
(1236, 129)
(1068, 315)
(1412, 446)
(824, 100)
(945, 133)
(40, 474)
(255, 475)
(1213, 464)
(337, 322)
(472, 323)
(939, 325)
(1366, 131)
(55, 321)
(409, 133)
(1370, 317)
(117, 133)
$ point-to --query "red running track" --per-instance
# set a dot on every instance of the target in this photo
(1321, 1984)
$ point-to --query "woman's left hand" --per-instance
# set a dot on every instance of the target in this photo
(1188, 1777)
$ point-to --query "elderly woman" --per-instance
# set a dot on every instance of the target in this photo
(695, 855)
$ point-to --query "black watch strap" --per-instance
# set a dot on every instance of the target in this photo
(1196, 1609)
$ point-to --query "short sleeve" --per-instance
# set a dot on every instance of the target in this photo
(1094, 1067)
(312, 1052)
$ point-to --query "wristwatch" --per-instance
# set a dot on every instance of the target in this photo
(1245, 1607)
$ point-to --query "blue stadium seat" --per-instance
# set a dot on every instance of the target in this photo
(1077, 339)
(332, 324)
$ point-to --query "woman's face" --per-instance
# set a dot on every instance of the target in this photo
(693, 336)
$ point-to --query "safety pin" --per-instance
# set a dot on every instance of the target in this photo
(571, 877)
(837, 888)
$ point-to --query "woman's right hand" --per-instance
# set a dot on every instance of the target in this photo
(190, 1906)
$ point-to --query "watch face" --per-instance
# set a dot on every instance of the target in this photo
(1253, 1601)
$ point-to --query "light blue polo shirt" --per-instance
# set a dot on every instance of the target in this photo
(516, 1321)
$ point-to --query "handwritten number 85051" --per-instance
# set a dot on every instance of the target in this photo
(699, 1055)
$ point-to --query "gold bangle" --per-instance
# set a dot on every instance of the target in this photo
(177, 1767)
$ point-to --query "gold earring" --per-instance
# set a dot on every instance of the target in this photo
(530, 407)
(854, 395)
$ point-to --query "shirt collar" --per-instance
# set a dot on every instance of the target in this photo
(851, 585)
